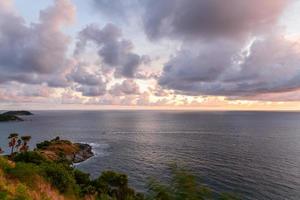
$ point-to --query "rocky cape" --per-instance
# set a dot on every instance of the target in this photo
(58, 149)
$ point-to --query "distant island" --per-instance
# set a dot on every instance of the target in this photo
(14, 115)
(18, 112)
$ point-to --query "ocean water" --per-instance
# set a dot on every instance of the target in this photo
(255, 155)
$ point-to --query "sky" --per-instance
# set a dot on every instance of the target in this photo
(147, 54)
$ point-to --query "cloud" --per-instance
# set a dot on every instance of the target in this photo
(209, 18)
(269, 65)
(87, 81)
(29, 53)
(127, 87)
(229, 48)
(116, 53)
(82, 76)
(92, 91)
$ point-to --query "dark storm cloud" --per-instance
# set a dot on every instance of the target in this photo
(29, 53)
(117, 53)
(208, 18)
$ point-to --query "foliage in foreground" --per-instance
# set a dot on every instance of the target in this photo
(29, 172)
(183, 186)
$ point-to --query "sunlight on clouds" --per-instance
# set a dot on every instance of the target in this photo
(140, 55)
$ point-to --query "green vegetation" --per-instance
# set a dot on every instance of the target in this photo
(7, 118)
(29, 175)
(183, 186)
(13, 115)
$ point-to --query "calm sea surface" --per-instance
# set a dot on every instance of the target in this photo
(253, 154)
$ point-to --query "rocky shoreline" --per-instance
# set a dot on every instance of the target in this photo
(83, 154)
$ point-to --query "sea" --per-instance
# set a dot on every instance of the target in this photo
(255, 155)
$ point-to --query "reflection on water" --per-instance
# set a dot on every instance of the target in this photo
(255, 154)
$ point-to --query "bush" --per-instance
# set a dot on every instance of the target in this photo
(3, 195)
(116, 186)
(81, 177)
(60, 177)
(227, 196)
(25, 172)
(183, 186)
(83, 180)
(113, 179)
(30, 157)
(4, 165)
(43, 145)
(21, 193)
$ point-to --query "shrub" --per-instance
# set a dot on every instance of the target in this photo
(30, 157)
(113, 179)
(43, 145)
(4, 165)
(115, 185)
(81, 177)
(3, 195)
(83, 180)
(60, 177)
(25, 172)
(183, 186)
(21, 193)
(226, 196)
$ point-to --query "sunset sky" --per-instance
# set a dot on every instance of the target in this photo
(149, 54)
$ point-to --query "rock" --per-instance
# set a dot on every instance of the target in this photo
(84, 153)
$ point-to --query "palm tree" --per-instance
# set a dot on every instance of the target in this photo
(18, 145)
(12, 141)
(24, 146)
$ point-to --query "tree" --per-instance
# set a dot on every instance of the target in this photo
(18, 145)
(25, 147)
(12, 141)
(183, 186)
